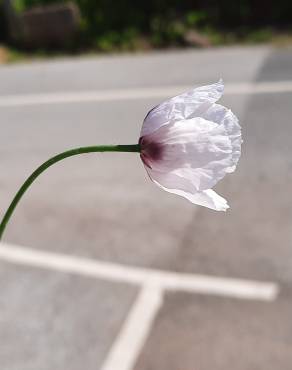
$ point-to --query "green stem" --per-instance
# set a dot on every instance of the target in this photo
(53, 160)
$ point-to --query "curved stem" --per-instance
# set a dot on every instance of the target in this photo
(55, 159)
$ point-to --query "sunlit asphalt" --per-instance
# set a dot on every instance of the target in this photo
(104, 208)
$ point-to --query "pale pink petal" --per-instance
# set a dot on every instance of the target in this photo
(170, 181)
(195, 149)
(184, 188)
(187, 105)
(209, 198)
(222, 116)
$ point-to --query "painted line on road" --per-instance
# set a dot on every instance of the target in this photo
(228, 287)
(136, 93)
(129, 342)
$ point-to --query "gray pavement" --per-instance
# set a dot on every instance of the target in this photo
(211, 333)
(103, 207)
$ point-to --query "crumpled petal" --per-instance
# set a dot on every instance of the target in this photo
(222, 116)
(187, 105)
(182, 187)
(195, 149)
(209, 198)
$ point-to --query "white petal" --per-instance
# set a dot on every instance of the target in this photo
(182, 187)
(209, 198)
(170, 181)
(223, 116)
(195, 149)
(187, 105)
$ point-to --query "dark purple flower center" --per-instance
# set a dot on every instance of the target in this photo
(150, 151)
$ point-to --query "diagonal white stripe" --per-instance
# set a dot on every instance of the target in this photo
(134, 332)
(237, 288)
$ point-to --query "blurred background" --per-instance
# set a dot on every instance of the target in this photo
(100, 269)
(50, 26)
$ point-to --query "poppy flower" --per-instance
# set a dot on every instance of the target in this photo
(189, 142)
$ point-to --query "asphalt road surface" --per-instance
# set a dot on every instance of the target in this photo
(99, 268)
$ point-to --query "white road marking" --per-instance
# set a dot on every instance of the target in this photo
(135, 330)
(236, 288)
(136, 93)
